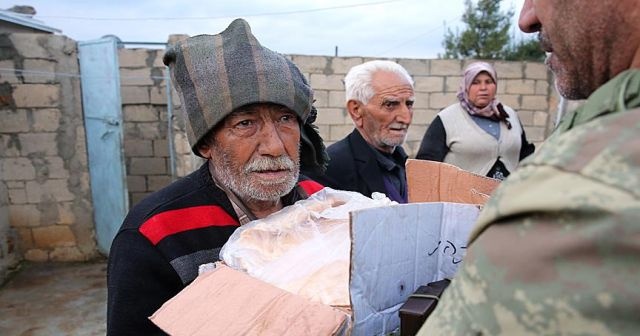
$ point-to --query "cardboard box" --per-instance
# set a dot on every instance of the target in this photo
(228, 302)
(430, 181)
(394, 250)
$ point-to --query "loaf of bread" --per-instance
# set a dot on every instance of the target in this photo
(304, 248)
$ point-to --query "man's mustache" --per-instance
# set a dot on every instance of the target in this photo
(263, 163)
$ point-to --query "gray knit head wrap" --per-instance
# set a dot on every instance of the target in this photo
(216, 74)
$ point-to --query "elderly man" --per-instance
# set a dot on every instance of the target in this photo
(246, 108)
(380, 102)
(556, 250)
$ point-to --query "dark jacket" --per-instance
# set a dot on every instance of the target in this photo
(353, 166)
(161, 244)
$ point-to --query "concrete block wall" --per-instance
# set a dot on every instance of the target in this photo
(43, 159)
(145, 121)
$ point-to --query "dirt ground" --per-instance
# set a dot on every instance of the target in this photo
(55, 299)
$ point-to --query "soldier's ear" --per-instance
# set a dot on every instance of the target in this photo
(356, 111)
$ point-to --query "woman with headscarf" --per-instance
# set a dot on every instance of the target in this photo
(478, 134)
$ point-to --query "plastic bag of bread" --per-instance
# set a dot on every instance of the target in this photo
(303, 248)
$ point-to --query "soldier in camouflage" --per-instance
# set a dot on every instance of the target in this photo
(556, 251)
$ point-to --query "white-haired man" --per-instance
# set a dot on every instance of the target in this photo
(380, 100)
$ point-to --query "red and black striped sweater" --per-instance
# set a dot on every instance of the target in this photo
(161, 244)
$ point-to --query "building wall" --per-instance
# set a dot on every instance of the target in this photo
(43, 159)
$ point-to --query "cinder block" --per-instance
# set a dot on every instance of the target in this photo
(8, 76)
(181, 143)
(139, 112)
(38, 143)
(51, 167)
(322, 98)
(337, 99)
(509, 70)
(161, 148)
(66, 254)
(36, 95)
(28, 45)
(158, 95)
(428, 83)
(48, 191)
(133, 58)
(148, 166)
(452, 83)
(53, 236)
(536, 71)
(526, 117)
(520, 86)
(17, 169)
(342, 65)
(138, 148)
(39, 71)
(26, 238)
(411, 148)
(17, 196)
(444, 67)
(441, 100)
(65, 214)
(14, 121)
(136, 183)
(512, 101)
(542, 87)
(15, 184)
(540, 119)
(338, 132)
(136, 197)
(46, 120)
(421, 100)
(539, 103)
(324, 132)
(158, 182)
(331, 116)
(134, 95)
(135, 77)
(157, 58)
(326, 82)
(415, 67)
(36, 255)
(416, 132)
(536, 133)
(423, 116)
(151, 130)
(310, 64)
(24, 215)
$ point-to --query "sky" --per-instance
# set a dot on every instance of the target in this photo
(370, 28)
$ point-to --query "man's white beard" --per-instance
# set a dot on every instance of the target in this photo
(240, 181)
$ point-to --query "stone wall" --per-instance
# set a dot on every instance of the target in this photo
(43, 160)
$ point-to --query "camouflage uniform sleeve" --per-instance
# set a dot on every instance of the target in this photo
(556, 251)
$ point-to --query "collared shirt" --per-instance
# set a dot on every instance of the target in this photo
(393, 172)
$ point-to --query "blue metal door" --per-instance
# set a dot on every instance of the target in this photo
(100, 79)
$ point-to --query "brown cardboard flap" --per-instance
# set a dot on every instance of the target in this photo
(216, 304)
(431, 181)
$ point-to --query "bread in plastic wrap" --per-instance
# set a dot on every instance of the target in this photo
(303, 248)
